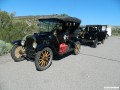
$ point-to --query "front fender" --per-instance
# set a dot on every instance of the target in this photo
(17, 42)
(41, 46)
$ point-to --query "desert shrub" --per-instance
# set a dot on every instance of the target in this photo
(4, 47)
(116, 31)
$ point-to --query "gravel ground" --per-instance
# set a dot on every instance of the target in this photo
(92, 69)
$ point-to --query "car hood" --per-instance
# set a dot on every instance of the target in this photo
(41, 37)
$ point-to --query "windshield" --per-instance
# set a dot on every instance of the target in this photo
(47, 25)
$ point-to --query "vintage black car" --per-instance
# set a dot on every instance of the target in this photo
(93, 34)
(56, 37)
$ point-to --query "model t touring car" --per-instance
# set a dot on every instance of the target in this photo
(93, 34)
(56, 37)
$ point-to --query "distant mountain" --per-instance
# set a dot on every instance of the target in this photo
(31, 19)
(34, 19)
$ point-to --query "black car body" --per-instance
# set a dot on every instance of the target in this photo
(93, 34)
(56, 36)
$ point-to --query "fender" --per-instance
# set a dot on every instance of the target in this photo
(17, 42)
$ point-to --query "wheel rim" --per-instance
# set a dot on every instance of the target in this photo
(77, 47)
(19, 52)
(44, 58)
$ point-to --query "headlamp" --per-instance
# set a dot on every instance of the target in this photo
(23, 42)
(34, 44)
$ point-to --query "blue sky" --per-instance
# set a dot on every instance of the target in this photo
(89, 11)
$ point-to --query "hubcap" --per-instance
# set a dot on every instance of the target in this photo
(44, 58)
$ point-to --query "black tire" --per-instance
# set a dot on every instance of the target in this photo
(103, 41)
(107, 36)
(15, 53)
(95, 43)
(43, 56)
(77, 48)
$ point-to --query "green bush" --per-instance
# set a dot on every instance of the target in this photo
(13, 29)
(4, 47)
(116, 31)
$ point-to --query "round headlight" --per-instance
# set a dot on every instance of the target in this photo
(22, 42)
(34, 45)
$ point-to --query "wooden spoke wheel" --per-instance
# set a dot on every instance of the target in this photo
(17, 53)
(43, 59)
(77, 48)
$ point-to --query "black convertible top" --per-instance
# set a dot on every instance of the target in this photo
(63, 18)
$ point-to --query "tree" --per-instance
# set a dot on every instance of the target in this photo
(64, 14)
(12, 29)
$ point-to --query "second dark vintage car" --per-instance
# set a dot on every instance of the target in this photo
(92, 34)
(56, 37)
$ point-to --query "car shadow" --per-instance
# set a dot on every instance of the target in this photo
(56, 57)
(89, 44)
(30, 59)
(60, 57)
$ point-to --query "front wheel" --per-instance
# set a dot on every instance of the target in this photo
(77, 48)
(43, 59)
(17, 53)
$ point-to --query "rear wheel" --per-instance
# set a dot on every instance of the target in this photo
(43, 59)
(103, 41)
(95, 43)
(17, 53)
(77, 48)
(107, 36)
